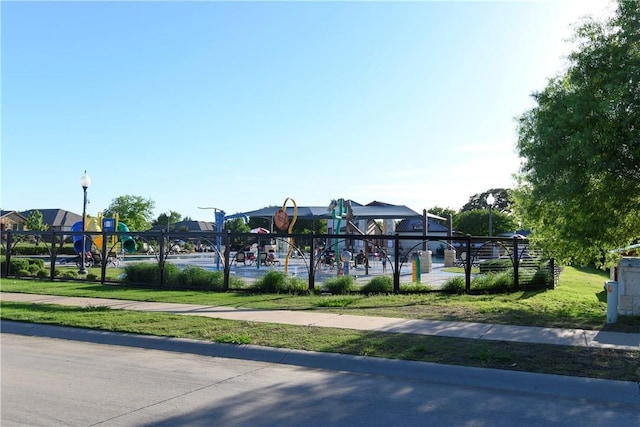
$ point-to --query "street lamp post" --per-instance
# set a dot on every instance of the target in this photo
(85, 181)
(490, 201)
(168, 214)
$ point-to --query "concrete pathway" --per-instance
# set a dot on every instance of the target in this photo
(481, 331)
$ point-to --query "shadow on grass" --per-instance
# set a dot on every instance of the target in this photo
(542, 358)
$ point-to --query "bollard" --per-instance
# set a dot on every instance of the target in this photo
(612, 301)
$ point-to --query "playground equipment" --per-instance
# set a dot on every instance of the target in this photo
(220, 218)
(127, 243)
(340, 209)
(91, 224)
(98, 225)
(282, 221)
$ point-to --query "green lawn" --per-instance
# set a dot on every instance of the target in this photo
(578, 302)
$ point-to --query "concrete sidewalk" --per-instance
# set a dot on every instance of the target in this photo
(481, 331)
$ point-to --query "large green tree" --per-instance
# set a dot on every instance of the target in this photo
(168, 220)
(579, 186)
(476, 222)
(442, 212)
(135, 211)
(502, 200)
(35, 222)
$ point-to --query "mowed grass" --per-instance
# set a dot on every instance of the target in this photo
(612, 364)
(579, 301)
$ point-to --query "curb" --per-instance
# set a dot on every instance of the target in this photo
(590, 389)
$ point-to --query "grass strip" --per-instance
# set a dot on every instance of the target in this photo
(579, 301)
(541, 358)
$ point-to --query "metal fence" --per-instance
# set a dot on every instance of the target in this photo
(429, 260)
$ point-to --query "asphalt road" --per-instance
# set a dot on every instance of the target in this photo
(53, 382)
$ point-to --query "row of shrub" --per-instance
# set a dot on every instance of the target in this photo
(21, 266)
(503, 281)
(34, 267)
(278, 282)
(271, 282)
(40, 250)
(504, 264)
(176, 278)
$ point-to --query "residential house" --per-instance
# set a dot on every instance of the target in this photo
(11, 220)
(56, 219)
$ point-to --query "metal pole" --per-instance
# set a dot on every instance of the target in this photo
(83, 270)
(490, 220)
(425, 225)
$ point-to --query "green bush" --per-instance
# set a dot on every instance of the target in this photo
(534, 278)
(339, 285)
(278, 282)
(197, 278)
(189, 278)
(42, 274)
(495, 265)
(379, 285)
(26, 250)
(37, 262)
(414, 288)
(69, 275)
(143, 272)
(494, 282)
(33, 269)
(23, 273)
(15, 265)
(138, 272)
(297, 285)
(92, 277)
(455, 285)
(503, 281)
(273, 282)
(482, 281)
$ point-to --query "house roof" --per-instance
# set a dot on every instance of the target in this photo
(193, 226)
(415, 224)
(55, 217)
(187, 226)
(4, 213)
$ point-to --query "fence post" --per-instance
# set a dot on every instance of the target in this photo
(52, 260)
(516, 264)
(227, 264)
(552, 267)
(467, 270)
(162, 258)
(8, 254)
(105, 255)
(396, 263)
(312, 262)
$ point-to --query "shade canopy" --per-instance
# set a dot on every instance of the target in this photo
(378, 211)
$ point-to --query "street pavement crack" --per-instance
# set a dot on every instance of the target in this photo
(187, 393)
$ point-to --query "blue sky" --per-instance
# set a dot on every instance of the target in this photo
(239, 105)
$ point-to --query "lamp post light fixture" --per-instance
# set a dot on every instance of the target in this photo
(85, 182)
(490, 201)
(168, 214)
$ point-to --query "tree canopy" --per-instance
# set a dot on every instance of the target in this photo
(168, 220)
(579, 186)
(502, 200)
(35, 222)
(476, 222)
(135, 211)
